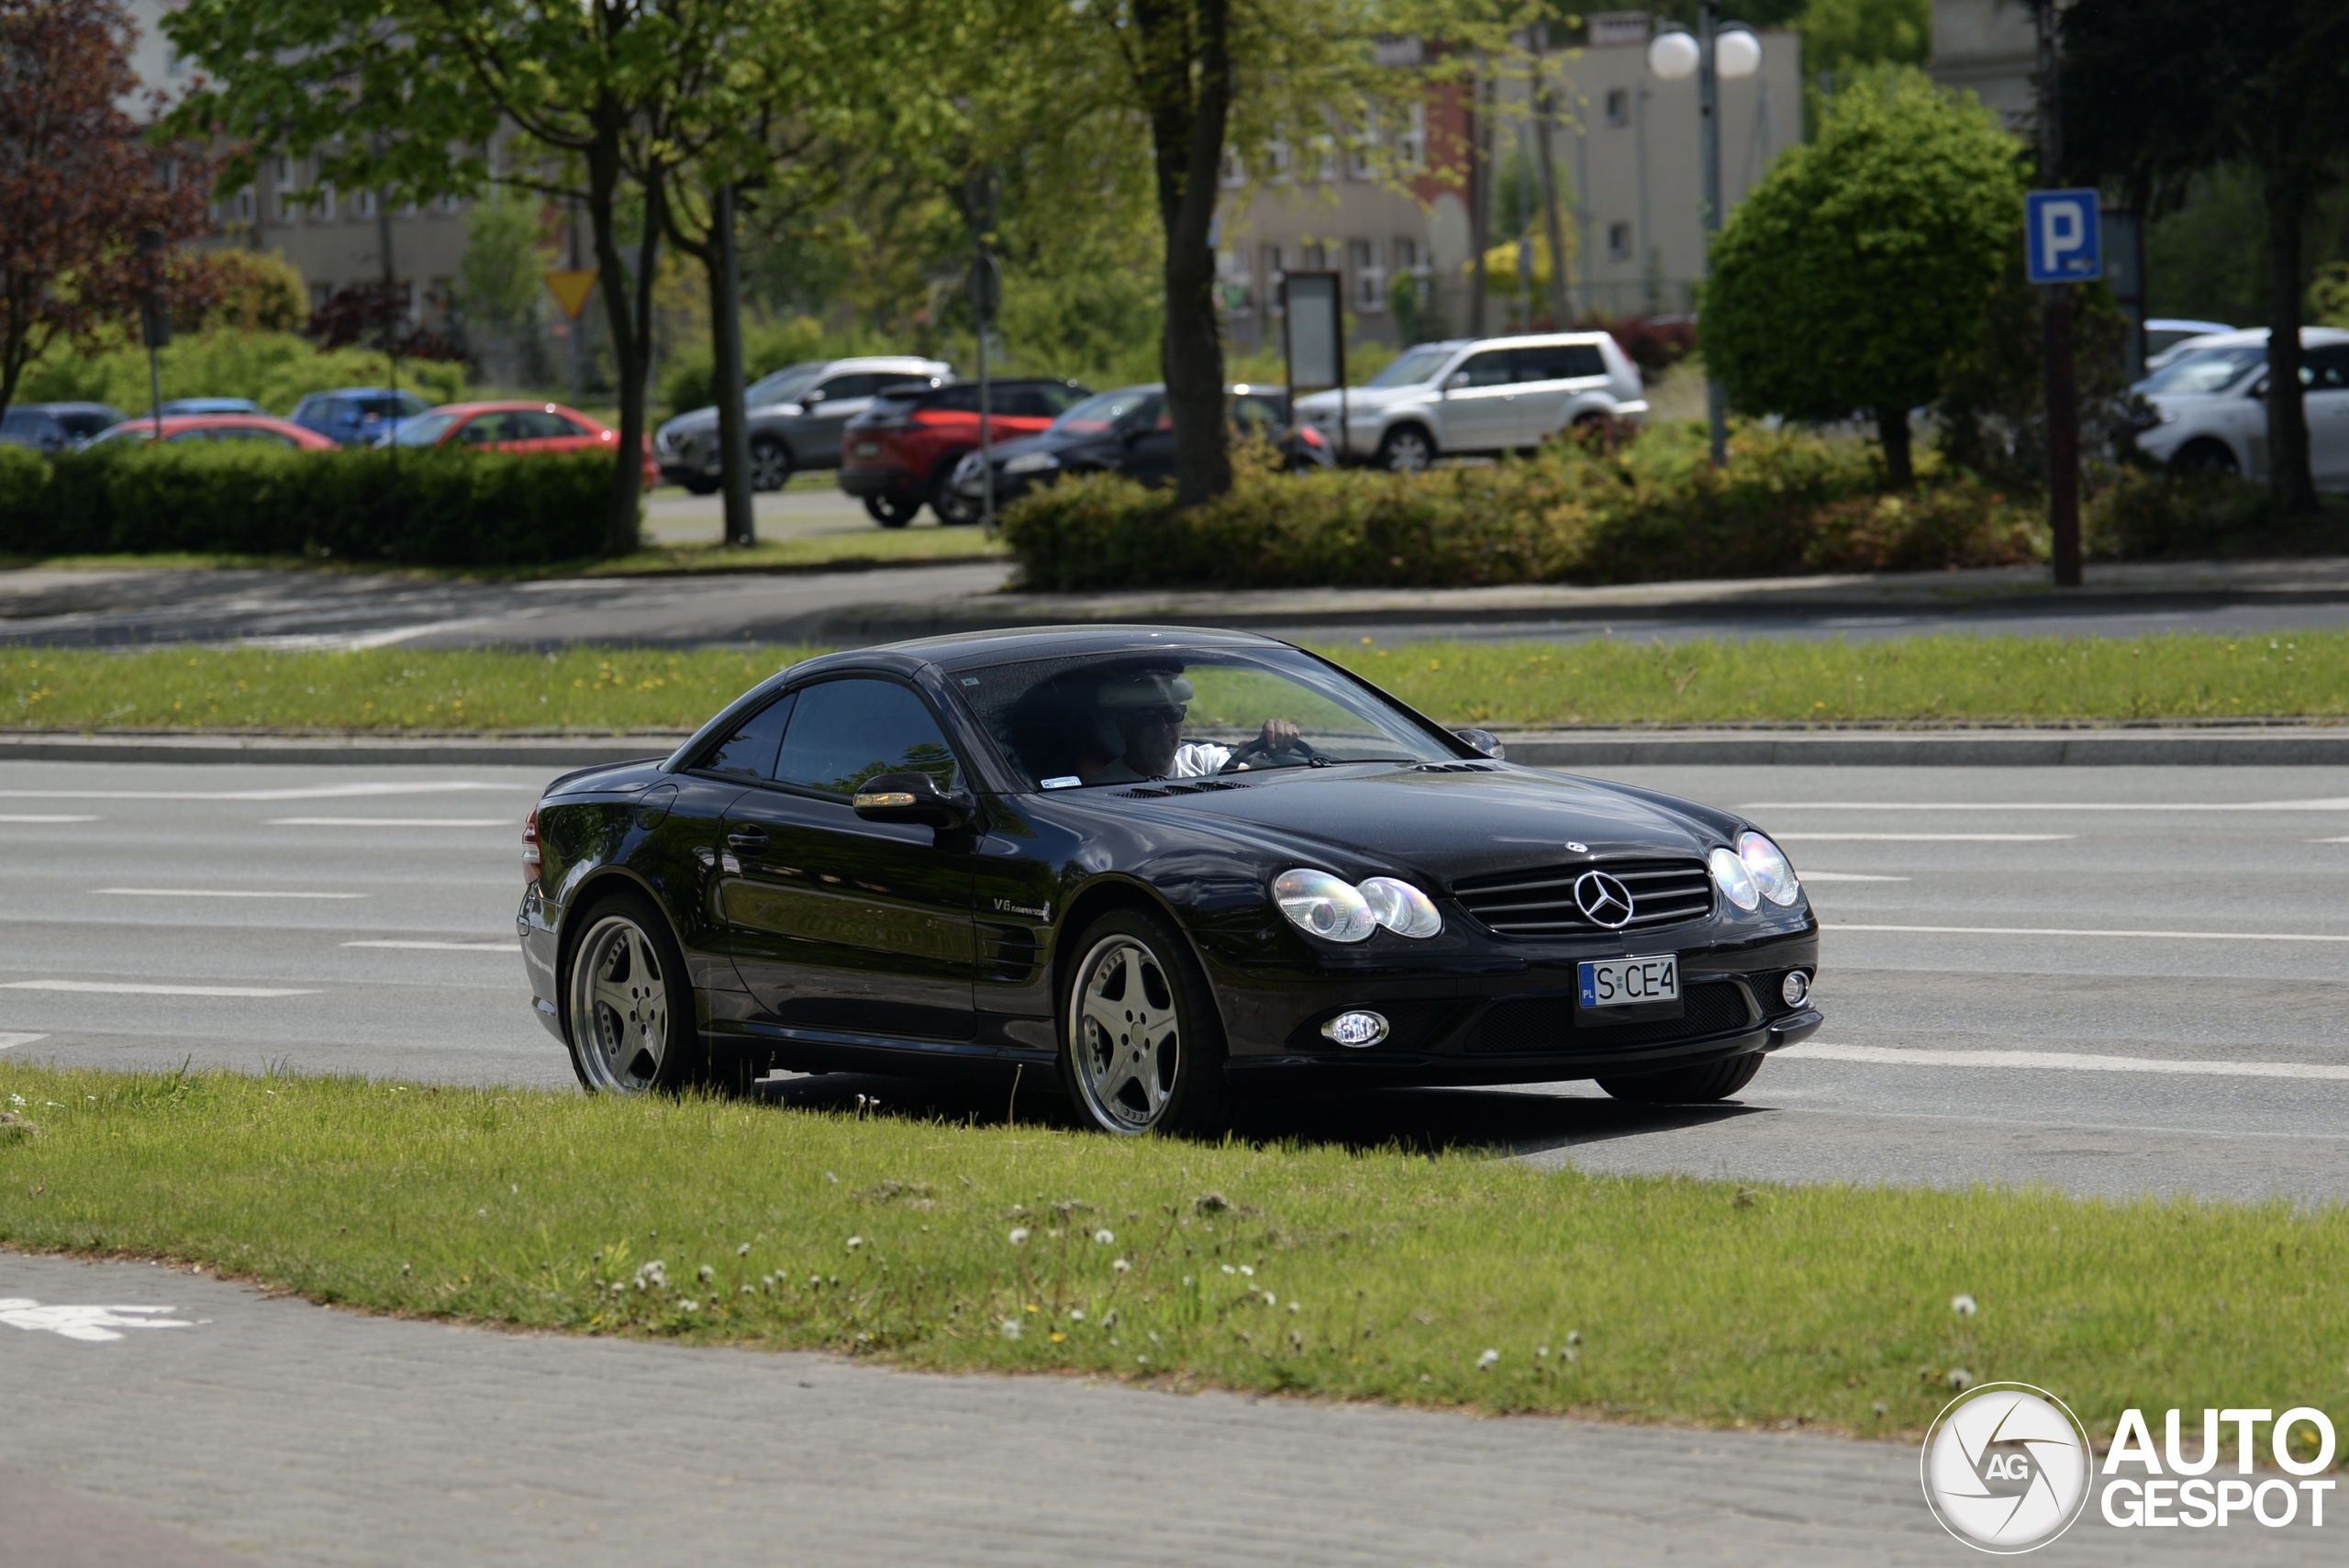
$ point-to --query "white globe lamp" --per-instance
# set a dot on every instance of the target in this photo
(1737, 54)
(1673, 56)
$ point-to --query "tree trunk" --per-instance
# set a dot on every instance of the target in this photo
(628, 310)
(2290, 483)
(1892, 432)
(1186, 125)
(726, 355)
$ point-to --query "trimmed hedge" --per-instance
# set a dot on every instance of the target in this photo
(429, 507)
(1788, 502)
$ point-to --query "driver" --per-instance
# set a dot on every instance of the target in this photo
(1137, 732)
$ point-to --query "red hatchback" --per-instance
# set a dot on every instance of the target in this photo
(515, 428)
(901, 451)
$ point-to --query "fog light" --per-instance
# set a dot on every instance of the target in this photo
(1356, 1030)
(1795, 988)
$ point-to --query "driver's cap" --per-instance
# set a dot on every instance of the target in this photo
(1150, 688)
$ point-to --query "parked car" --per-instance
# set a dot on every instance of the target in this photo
(515, 426)
(1129, 431)
(211, 406)
(901, 451)
(182, 427)
(2210, 406)
(1170, 866)
(1483, 395)
(57, 427)
(796, 415)
(2164, 334)
(356, 416)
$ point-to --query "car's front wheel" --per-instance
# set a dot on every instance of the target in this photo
(1141, 1049)
(1687, 1085)
(1406, 450)
(954, 509)
(628, 1008)
(2207, 456)
(770, 463)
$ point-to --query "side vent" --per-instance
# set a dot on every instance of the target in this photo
(1007, 953)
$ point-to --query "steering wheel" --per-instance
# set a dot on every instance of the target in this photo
(1255, 750)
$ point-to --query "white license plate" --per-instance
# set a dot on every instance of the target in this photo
(868, 448)
(1626, 981)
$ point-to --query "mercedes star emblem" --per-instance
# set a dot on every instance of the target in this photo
(1605, 900)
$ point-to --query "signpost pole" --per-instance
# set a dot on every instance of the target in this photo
(2055, 318)
(154, 324)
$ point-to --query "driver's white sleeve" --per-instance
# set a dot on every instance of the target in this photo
(1197, 758)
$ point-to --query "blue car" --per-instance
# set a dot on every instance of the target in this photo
(357, 415)
(211, 406)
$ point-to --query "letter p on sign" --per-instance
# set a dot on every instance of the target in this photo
(2064, 240)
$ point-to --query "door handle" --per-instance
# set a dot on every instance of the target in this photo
(746, 840)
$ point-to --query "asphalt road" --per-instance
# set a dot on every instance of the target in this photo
(2114, 980)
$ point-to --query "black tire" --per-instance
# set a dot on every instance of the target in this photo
(771, 463)
(1174, 1083)
(955, 510)
(1406, 449)
(891, 511)
(700, 485)
(1687, 1085)
(640, 1034)
(2207, 456)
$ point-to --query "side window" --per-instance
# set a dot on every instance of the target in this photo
(1490, 368)
(1258, 417)
(1023, 403)
(484, 428)
(1559, 362)
(957, 399)
(841, 386)
(538, 425)
(750, 751)
(2326, 369)
(844, 732)
(1058, 399)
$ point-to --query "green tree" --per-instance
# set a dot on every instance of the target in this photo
(1858, 270)
(500, 279)
(2156, 92)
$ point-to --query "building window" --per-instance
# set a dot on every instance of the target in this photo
(283, 176)
(1235, 169)
(1618, 106)
(320, 293)
(324, 205)
(1233, 288)
(1325, 148)
(1276, 160)
(363, 204)
(1411, 146)
(1619, 241)
(1404, 252)
(1370, 276)
(1361, 159)
(246, 205)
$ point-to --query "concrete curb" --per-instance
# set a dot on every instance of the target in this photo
(2312, 746)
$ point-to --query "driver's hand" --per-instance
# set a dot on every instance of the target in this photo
(1278, 735)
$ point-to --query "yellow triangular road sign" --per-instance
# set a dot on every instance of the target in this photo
(571, 290)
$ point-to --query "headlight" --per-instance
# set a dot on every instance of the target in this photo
(1031, 462)
(1734, 881)
(1768, 866)
(1400, 907)
(1324, 906)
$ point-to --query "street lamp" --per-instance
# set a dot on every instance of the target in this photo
(1714, 54)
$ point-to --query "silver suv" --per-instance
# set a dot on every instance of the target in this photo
(1482, 394)
(2210, 403)
(795, 414)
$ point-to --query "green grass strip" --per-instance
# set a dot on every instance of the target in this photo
(1944, 680)
(1342, 1273)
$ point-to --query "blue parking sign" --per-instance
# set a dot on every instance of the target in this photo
(2062, 243)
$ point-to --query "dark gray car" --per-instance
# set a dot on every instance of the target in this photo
(57, 427)
(795, 416)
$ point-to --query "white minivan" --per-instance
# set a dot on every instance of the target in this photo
(1481, 394)
(2210, 402)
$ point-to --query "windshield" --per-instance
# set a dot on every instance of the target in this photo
(783, 385)
(1102, 410)
(425, 429)
(1419, 365)
(2201, 371)
(1129, 718)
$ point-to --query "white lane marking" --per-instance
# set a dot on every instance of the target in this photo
(2311, 841)
(93, 1325)
(2335, 803)
(9, 1040)
(129, 988)
(317, 792)
(216, 893)
(2063, 1062)
(443, 947)
(1938, 838)
(2062, 931)
(392, 821)
(21, 817)
(1847, 876)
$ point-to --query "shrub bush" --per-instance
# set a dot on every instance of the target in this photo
(431, 507)
(1788, 502)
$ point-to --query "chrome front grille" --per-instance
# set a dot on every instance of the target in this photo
(1540, 902)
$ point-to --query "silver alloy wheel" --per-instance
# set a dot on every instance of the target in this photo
(770, 464)
(1125, 1035)
(619, 1007)
(1406, 451)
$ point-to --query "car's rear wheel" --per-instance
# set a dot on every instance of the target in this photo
(701, 484)
(628, 1008)
(891, 511)
(1406, 450)
(1141, 1049)
(953, 509)
(770, 463)
(2207, 456)
(1687, 1085)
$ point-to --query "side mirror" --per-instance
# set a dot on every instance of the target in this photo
(812, 396)
(912, 798)
(1484, 740)
(1455, 380)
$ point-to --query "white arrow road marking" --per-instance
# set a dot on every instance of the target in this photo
(2060, 932)
(1847, 876)
(313, 792)
(217, 893)
(390, 821)
(7, 1040)
(443, 947)
(127, 988)
(20, 817)
(93, 1324)
(2061, 1061)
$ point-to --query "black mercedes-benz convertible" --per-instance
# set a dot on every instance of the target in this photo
(1171, 865)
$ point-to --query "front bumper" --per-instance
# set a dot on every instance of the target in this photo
(863, 482)
(538, 923)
